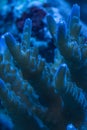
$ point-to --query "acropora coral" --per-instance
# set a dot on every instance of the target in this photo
(40, 95)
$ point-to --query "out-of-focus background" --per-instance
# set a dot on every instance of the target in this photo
(14, 12)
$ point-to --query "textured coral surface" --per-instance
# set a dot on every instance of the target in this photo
(44, 91)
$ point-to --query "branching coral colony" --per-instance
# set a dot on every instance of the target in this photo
(37, 95)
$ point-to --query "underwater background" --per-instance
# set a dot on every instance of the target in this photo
(43, 65)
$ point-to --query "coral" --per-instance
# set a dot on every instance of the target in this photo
(70, 41)
(41, 95)
(5, 122)
(18, 73)
(13, 15)
(72, 45)
(36, 13)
